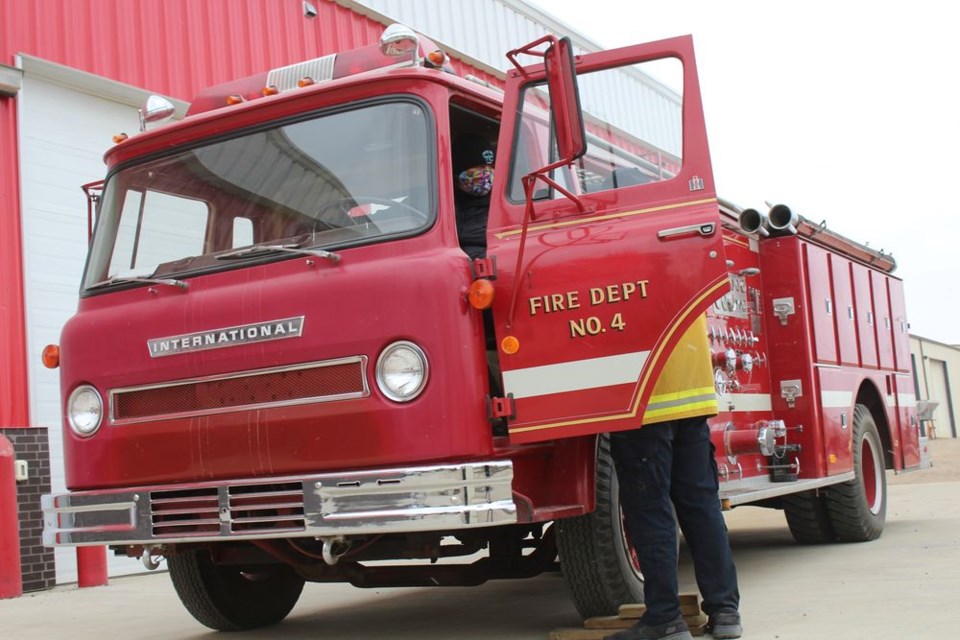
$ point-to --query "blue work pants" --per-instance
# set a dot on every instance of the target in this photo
(672, 462)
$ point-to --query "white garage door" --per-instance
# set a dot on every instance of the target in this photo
(66, 123)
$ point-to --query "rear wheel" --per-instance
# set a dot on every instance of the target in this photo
(596, 556)
(858, 508)
(808, 519)
(233, 598)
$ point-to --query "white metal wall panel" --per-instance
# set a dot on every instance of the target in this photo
(486, 29)
(63, 134)
(937, 384)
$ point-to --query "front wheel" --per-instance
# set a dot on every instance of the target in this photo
(233, 598)
(596, 557)
(858, 508)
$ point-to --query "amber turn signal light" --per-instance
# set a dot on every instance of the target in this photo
(510, 345)
(119, 137)
(480, 294)
(234, 99)
(51, 356)
(270, 90)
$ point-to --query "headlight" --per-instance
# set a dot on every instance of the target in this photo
(84, 410)
(402, 371)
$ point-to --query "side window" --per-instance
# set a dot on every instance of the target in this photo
(242, 232)
(156, 228)
(473, 154)
(633, 118)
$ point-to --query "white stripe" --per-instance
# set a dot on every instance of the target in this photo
(747, 401)
(575, 376)
(907, 400)
(836, 399)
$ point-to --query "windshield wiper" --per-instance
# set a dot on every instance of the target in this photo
(267, 249)
(170, 282)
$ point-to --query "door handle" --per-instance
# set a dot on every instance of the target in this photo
(704, 230)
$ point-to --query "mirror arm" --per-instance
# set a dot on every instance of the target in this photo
(570, 196)
(528, 49)
(529, 182)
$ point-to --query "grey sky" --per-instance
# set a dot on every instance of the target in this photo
(845, 111)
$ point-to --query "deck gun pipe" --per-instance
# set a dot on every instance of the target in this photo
(752, 221)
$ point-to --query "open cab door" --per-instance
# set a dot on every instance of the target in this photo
(604, 228)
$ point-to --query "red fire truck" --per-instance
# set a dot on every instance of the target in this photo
(283, 366)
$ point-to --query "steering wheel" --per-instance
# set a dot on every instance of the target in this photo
(342, 207)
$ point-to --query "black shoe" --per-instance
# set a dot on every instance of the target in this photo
(725, 623)
(676, 629)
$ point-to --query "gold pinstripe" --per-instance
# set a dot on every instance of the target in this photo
(594, 219)
(737, 241)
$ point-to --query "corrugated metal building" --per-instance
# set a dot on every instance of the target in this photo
(72, 74)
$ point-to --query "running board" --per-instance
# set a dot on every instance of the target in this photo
(755, 489)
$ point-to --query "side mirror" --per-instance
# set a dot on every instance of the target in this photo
(565, 100)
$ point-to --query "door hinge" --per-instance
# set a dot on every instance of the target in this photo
(502, 408)
(485, 268)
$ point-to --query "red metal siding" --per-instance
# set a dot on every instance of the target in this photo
(177, 47)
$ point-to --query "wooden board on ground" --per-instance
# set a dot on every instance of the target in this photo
(603, 626)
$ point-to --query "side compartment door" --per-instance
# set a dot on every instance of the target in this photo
(615, 255)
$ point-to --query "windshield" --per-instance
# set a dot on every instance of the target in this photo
(336, 180)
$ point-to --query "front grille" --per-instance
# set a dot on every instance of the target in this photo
(185, 512)
(317, 382)
(269, 508)
(238, 509)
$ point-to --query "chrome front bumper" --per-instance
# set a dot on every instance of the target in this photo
(429, 498)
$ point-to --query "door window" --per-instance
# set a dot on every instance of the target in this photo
(634, 139)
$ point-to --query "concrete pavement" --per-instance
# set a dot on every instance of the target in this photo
(902, 585)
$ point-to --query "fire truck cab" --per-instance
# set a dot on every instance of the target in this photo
(284, 367)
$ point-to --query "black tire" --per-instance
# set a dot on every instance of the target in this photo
(858, 508)
(231, 598)
(808, 519)
(595, 555)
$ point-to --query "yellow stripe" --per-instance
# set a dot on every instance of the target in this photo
(655, 356)
(592, 219)
(690, 407)
(686, 393)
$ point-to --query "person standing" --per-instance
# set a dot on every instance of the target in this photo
(667, 466)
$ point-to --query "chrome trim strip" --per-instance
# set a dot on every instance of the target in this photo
(739, 492)
(400, 500)
(361, 360)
